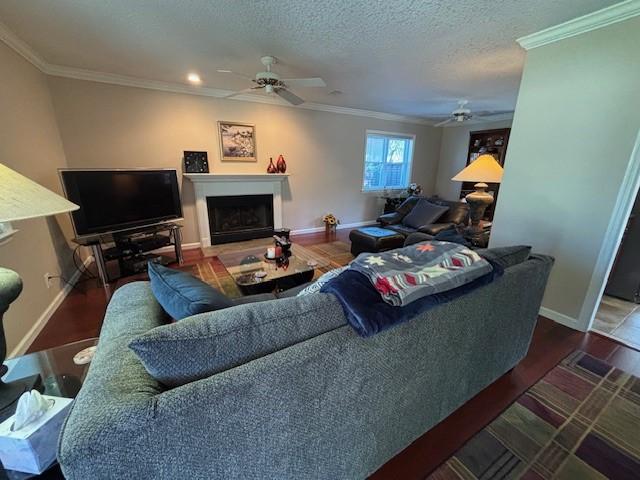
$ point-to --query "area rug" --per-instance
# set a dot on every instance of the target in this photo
(581, 421)
(212, 271)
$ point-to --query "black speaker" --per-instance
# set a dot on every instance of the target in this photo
(196, 162)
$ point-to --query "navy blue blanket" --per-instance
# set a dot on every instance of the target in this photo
(368, 314)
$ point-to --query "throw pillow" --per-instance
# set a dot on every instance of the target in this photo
(324, 278)
(213, 342)
(182, 295)
(424, 213)
(506, 256)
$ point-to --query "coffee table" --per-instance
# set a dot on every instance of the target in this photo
(59, 376)
(253, 273)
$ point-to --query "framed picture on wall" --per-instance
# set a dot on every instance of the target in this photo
(237, 142)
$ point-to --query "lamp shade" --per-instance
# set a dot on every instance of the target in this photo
(21, 198)
(485, 169)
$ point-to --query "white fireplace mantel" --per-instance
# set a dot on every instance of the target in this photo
(223, 184)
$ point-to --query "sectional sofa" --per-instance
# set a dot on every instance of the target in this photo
(299, 394)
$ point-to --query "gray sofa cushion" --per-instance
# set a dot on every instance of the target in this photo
(506, 256)
(200, 346)
(424, 213)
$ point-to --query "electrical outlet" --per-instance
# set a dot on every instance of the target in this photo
(47, 279)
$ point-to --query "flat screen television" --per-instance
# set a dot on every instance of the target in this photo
(116, 200)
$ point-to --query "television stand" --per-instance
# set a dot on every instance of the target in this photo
(131, 249)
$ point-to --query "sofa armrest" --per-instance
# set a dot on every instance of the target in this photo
(392, 218)
(111, 413)
(435, 228)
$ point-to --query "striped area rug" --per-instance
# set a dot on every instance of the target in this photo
(581, 421)
(212, 271)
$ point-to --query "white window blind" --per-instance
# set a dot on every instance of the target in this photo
(387, 161)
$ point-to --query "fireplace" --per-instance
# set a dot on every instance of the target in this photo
(240, 217)
(224, 184)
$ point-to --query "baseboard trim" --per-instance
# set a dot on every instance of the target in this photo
(342, 226)
(560, 318)
(34, 331)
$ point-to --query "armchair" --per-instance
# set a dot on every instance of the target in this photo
(457, 213)
(403, 209)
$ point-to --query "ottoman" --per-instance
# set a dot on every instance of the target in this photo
(374, 239)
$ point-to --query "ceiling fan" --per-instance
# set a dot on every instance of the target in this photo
(272, 83)
(462, 113)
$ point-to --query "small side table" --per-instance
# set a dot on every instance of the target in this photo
(481, 238)
(60, 377)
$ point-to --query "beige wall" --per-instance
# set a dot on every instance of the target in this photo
(30, 144)
(576, 121)
(453, 155)
(113, 126)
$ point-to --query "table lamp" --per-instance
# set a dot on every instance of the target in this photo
(484, 169)
(20, 199)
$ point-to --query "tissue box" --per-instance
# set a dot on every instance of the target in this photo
(32, 449)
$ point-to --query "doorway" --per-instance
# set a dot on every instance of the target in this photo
(618, 314)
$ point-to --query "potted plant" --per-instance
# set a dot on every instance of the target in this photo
(330, 223)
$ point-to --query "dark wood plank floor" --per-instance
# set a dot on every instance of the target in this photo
(80, 316)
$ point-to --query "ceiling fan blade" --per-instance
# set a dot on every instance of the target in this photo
(241, 75)
(240, 92)
(491, 113)
(305, 82)
(448, 120)
(288, 96)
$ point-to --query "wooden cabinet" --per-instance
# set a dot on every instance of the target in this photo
(493, 142)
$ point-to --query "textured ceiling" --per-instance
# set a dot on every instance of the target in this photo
(398, 56)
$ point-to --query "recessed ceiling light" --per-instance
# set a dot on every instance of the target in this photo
(194, 78)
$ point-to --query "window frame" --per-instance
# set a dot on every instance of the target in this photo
(389, 135)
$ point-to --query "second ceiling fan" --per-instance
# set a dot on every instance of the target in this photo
(272, 83)
(462, 114)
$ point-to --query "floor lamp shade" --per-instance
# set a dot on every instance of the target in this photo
(484, 169)
(20, 199)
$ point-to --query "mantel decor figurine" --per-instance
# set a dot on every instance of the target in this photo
(272, 168)
(281, 164)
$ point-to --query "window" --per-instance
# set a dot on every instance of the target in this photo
(387, 161)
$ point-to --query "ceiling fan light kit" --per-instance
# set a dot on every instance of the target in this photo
(272, 83)
(462, 114)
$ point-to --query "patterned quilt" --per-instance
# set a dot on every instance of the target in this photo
(407, 274)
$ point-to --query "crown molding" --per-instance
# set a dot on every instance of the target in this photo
(12, 40)
(20, 47)
(127, 81)
(592, 21)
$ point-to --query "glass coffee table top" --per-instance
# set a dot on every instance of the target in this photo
(250, 267)
(59, 376)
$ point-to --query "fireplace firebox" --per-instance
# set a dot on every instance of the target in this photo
(240, 217)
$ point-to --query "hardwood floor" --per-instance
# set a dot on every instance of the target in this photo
(80, 316)
(620, 319)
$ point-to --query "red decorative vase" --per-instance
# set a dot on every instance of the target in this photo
(281, 164)
(271, 168)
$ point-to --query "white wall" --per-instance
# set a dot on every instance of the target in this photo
(114, 126)
(576, 121)
(454, 148)
(30, 144)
